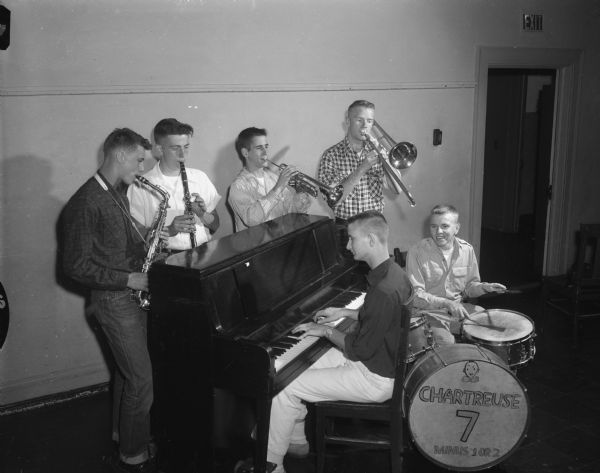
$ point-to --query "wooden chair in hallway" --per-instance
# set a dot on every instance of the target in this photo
(388, 413)
(578, 294)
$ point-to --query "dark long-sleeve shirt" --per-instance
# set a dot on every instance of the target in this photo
(376, 340)
(101, 246)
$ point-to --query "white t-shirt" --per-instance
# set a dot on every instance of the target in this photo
(144, 202)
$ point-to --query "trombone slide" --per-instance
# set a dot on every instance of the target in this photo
(396, 180)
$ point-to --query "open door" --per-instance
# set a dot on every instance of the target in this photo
(543, 186)
(517, 164)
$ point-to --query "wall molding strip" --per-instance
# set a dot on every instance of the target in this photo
(223, 88)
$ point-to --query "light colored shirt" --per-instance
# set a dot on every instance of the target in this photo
(144, 202)
(253, 202)
(436, 281)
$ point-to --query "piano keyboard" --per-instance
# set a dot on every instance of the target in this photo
(290, 347)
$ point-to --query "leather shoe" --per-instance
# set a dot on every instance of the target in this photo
(247, 466)
(119, 466)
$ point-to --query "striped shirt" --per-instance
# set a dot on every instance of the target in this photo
(336, 164)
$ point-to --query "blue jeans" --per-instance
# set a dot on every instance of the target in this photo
(124, 324)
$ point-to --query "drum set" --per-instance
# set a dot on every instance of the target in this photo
(465, 408)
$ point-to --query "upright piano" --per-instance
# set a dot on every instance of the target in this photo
(220, 319)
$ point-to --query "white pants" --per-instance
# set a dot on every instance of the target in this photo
(332, 378)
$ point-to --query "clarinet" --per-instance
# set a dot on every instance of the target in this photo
(188, 201)
(154, 241)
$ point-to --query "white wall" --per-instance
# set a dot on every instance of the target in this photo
(77, 69)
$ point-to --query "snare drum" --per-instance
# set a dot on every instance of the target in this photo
(420, 338)
(515, 344)
(465, 408)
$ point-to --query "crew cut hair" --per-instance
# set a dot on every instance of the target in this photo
(245, 138)
(361, 103)
(124, 138)
(442, 209)
(171, 126)
(373, 222)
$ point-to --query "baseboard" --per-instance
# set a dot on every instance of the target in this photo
(53, 399)
(52, 383)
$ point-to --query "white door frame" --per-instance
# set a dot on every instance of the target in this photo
(567, 63)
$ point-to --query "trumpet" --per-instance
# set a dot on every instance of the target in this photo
(303, 183)
(394, 157)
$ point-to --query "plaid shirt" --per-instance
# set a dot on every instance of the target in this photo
(336, 164)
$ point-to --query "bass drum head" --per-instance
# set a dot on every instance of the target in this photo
(466, 411)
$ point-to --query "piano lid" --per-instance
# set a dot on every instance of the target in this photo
(217, 253)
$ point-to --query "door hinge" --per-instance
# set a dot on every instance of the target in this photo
(549, 192)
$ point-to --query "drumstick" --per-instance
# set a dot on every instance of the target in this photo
(444, 314)
(493, 327)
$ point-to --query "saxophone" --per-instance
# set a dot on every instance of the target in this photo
(154, 241)
(187, 199)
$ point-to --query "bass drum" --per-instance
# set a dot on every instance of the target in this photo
(466, 410)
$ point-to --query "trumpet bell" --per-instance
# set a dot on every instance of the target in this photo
(403, 155)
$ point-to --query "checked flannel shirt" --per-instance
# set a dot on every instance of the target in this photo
(336, 164)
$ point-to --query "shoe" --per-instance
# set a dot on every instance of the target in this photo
(277, 469)
(152, 447)
(298, 450)
(119, 466)
(247, 466)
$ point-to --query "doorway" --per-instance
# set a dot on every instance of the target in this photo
(567, 66)
(517, 173)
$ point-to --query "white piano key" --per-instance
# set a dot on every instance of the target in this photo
(303, 344)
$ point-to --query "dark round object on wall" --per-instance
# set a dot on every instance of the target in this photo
(3, 315)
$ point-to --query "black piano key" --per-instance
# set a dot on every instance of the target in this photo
(282, 345)
(277, 351)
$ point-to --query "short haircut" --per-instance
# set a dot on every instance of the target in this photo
(361, 103)
(171, 126)
(442, 209)
(245, 138)
(124, 138)
(374, 222)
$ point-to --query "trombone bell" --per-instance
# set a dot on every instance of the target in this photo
(394, 157)
(401, 155)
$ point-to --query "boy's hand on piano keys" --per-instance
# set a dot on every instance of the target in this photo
(330, 314)
(310, 329)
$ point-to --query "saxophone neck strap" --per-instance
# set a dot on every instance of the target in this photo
(122, 208)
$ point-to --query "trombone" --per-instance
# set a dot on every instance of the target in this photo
(394, 157)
